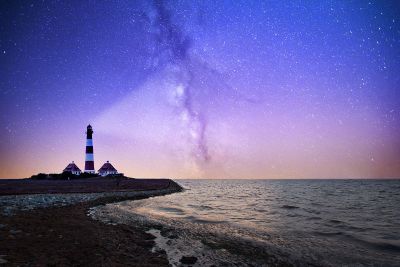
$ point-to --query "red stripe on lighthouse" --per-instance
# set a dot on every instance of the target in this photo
(89, 166)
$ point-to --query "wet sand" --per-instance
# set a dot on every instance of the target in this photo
(67, 236)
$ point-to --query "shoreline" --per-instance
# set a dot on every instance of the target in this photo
(63, 234)
(184, 243)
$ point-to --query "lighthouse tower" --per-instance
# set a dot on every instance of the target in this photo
(89, 159)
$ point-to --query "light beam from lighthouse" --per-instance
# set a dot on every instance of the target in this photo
(89, 159)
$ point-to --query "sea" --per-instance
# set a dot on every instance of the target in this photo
(275, 222)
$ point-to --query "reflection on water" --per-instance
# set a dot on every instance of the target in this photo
(327, 221)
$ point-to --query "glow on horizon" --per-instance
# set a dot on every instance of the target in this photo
(250, 90)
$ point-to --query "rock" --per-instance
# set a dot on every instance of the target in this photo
(3, 261)
(188, 260)
(173, 236)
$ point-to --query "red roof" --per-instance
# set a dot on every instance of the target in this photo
(72, 168)
(107, 167)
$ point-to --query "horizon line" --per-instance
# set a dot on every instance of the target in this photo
(202, 178)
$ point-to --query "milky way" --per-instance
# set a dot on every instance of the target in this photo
(171, 40)
(172, 62)
(211, 89)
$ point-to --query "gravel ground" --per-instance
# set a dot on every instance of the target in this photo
(10, 204)
(55, 230)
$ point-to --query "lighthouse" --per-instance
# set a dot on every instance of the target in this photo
(89, 159)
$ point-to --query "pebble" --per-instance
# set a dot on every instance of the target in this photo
(3, 261)
(188, 260)
(12, 231)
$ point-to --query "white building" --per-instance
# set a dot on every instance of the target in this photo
(107, 169)
(72, 168)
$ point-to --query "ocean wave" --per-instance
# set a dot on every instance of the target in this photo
(314, 227)
(195, 219)
(328, 233)
(314, 218)
(172, 210)
(289, 207)
(201, 207)
(380, 244)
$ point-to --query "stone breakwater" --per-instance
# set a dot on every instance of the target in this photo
(10, 204)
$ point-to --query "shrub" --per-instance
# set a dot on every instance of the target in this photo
(40, 176)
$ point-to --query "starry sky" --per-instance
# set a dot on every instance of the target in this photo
(202, 89)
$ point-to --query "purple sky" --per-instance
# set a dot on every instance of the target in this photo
(214, 89)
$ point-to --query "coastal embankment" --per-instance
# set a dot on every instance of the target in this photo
(46, 223)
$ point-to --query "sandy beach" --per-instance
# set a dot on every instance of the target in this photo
(55, 229)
